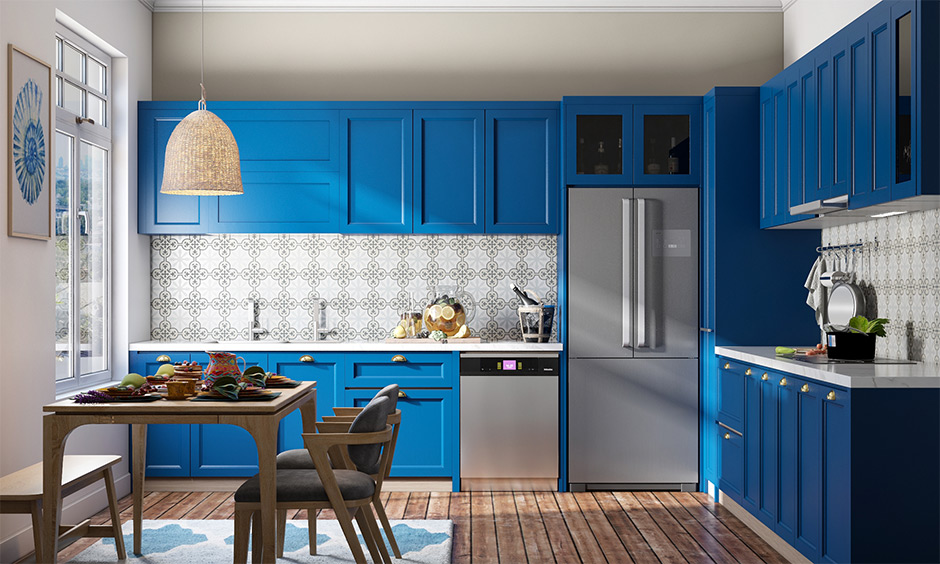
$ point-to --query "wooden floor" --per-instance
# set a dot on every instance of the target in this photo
(521, 527)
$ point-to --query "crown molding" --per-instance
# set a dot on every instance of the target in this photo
(786, 4)
(468, 5)
(149, 4)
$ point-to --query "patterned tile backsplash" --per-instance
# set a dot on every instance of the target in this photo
(203, 287)
(899, 271)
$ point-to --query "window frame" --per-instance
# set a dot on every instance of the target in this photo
(98, 135)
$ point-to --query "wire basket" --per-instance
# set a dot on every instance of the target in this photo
(536, 322)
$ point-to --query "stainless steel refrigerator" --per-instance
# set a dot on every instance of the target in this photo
(632, 338)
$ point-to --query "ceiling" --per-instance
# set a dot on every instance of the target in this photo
(469, 5)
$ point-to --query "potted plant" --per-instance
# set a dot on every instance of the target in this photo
(856, 341)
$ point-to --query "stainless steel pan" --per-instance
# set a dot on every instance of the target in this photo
(846, 300)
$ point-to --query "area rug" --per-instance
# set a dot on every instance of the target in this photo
(210, 542)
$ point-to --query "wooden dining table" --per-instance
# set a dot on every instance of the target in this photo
(260, 418)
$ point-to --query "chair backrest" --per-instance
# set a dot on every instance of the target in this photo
(371, 419)
(390, 392)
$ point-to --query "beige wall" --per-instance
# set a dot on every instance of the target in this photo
(807, 23)
(27, 290)
(461, 56)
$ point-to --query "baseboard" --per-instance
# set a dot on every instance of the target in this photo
(763, 531)
(418, 485)
(79, 507)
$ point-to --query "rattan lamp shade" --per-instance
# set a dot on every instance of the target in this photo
(202, 158)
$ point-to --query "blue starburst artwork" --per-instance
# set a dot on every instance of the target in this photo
(29, 142)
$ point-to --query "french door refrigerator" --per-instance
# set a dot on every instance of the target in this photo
(632, 338)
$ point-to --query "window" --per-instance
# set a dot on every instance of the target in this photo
(82, 155)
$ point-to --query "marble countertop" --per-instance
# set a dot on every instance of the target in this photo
(919, 375)
(346, 346)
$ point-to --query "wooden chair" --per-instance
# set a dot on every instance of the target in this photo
(21, 492)
(347, 466)
(299, 458)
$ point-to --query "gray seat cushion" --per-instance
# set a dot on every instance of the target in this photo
(371, 419)
(296, 459)
(305, 485)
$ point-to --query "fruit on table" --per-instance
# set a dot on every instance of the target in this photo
(447, 316)
(166, 369)
(398, 332)
(785, 350)
(463, 332)
(133, 379)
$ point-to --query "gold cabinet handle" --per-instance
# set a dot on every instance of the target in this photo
(399, 358)
(727, 436)
(163, 358)
(306, 358)
(831, 396)
(764, 377)
(783, 381)
(727, 365)
(804, 388)
(747, 372)
(402, 394)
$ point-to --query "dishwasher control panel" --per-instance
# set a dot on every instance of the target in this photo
(519, 365)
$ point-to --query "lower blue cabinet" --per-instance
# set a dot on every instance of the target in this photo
(731, 465)
(167, 445)
(426, 439)
(324, 368)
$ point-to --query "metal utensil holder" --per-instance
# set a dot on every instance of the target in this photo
(536, 322)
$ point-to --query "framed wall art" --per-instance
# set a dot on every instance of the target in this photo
(29, 209)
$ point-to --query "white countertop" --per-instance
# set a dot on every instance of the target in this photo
(919, 375)
(346, 346)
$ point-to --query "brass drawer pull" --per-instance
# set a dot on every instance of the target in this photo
(306, 358)
(402, 394)
(804, 388)
(727, 436)
(727, 365)
(764, 377)
(831, 396)
(783, 381)
(747, 372)
(399, 358)
(163, 358)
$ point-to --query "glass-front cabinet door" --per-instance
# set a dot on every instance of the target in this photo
(667, 144)
(598, 144)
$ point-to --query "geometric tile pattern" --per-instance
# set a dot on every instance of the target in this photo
(899, 271)
(204, 287)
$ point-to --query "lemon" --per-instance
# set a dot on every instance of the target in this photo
(434, 312)
(447, 313)
(463, 332)
(166, 369)
(398, 332)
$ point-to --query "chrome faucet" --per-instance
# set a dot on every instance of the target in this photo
(255, 331)
(319, 320)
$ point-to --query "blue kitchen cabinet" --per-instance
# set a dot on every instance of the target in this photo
(427, 438)
(835, 541)
(787, 459)
(732, 462)
(414, 369)
(448, 171)
(762, 457)
(376, 171)
(522, 171)
(859, 54)
(731, 388)
(809, 468)
(168, 446)
(224, 450)
(809, 132)
(326, 368)
(667, 144)
(836, 93)
(598, 143)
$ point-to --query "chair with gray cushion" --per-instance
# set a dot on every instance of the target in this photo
(344, 481)
(299, 458)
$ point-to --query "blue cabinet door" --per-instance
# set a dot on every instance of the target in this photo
(809, 129)
(732, 463)
(224, 450)
(782, 148)
(448, 171)
(767, 454)
(327, 370)
(768, 151)
(163, 213)
(751, 485)
(787, 458)
(809, 478)
(376, 171)
(426, 439)
(859, 62)
(825, 122)
(406, 368)
(906, 115)
(522, 171)
(599, 144)
(836, 476)
(794, 95)
(880, 88)
(168, 446)
(663, 130)
(841, 100)
(731, 379)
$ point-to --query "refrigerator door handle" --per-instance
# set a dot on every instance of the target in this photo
(641, 297)
(627, 275)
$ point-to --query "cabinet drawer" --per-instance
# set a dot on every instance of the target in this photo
(731, 479)
(731, 380)
(407, 369)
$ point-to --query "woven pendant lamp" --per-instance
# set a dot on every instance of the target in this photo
(201, 155)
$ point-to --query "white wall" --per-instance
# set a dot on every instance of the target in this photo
(461, 56)
(27, 290)
(807, 23)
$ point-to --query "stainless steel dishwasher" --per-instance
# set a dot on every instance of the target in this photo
(508, 421)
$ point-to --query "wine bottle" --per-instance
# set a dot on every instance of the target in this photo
(526, 300)
(673, 160)
(600, 167)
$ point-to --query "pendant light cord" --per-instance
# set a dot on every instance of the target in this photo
(202, 56)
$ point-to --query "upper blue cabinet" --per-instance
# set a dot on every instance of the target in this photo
(633, 141)
(366, 167)
(860, 121)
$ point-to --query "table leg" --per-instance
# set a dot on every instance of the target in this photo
(308, 413)
(264, 431)
(139, 442)
(54, 432)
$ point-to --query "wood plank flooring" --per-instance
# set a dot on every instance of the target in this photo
(534, 527)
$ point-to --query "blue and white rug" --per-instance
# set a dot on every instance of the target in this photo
(210, 542)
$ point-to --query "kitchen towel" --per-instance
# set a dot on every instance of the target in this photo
(816, 296)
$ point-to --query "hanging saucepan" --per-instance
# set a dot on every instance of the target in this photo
(846, 301)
